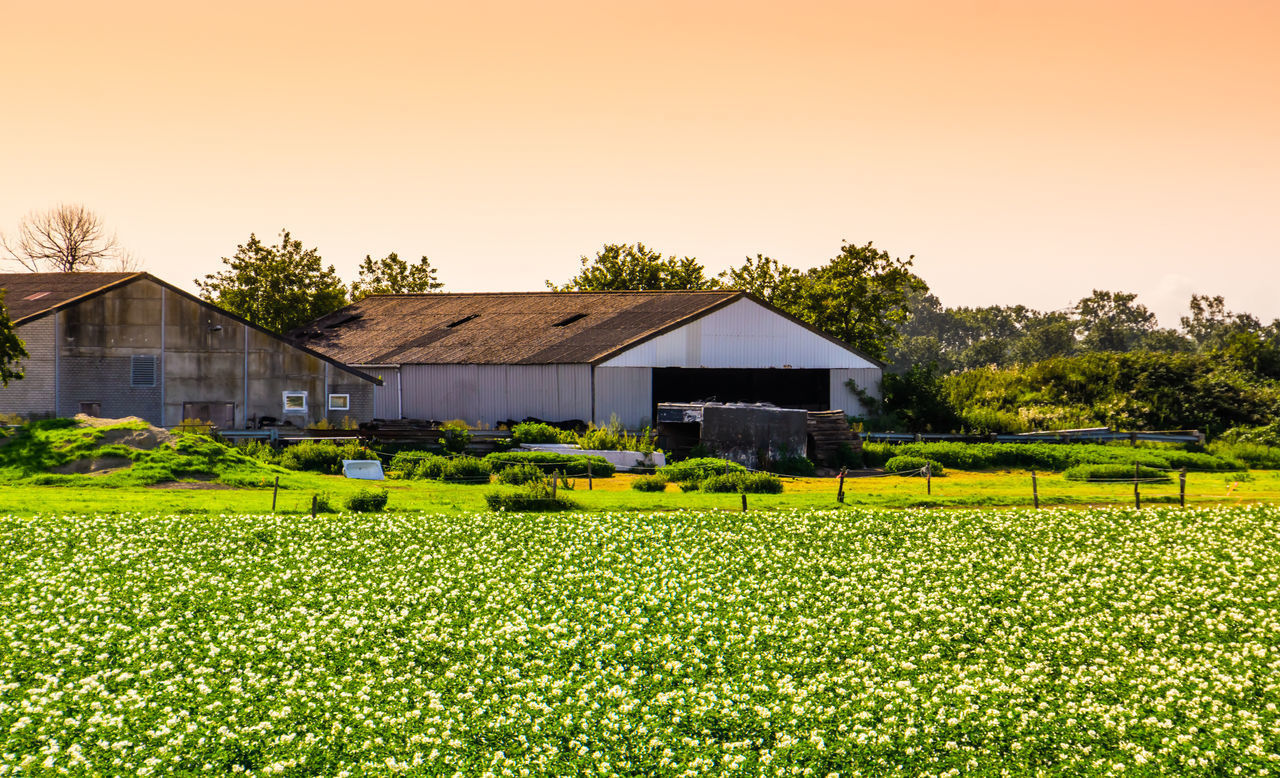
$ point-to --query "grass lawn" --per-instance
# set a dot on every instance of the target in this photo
(958, 489)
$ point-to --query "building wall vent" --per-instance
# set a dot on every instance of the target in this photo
(144, 370)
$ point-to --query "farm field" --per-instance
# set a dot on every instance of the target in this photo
(958, 489)
(790, 641)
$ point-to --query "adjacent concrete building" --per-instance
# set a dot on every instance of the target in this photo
(591, 356)
(129, 344)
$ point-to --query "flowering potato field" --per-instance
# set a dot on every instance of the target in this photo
(690, 643)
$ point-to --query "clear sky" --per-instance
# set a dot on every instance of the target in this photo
(1023, 151)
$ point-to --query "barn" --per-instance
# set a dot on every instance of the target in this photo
(591, 356)
(129, 344)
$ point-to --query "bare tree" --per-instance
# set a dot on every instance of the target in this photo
(66, 239)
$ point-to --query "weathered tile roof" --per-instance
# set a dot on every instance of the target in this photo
(509, 328)
(29, 294)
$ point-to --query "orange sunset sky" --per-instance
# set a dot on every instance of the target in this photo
(1024, 152)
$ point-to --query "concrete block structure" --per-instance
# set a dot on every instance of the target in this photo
(129, 344)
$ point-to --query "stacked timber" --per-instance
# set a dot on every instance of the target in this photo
(828, 431)
(427, 434)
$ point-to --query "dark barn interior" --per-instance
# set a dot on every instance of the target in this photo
(806, 389)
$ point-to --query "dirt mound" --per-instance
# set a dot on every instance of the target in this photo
(95, 465)
(141, 439)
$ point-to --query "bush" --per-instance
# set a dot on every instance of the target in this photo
(747, 483)
(908, 465)
(322, 457)
(1114, 473)
(698, 469)
(690, 485)
(537, 432)
(516, 475)
(455, 436)
(649, 483)
(368, 500)
(324, 502)
(1041, 456)
(794, 465)
(465, 470)
(550, 461)
(615, 438)
(534, 497)
(1254, 455)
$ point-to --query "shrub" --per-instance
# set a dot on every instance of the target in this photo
(527, 499)
(690, 485)
(909, 465)
(649, 483)
(368, 501)
(520, 474)
(698, 469)
(324, 502)
(550, 461)
(747, 483)
(615, 438)
(1114, 473)
(1254, 455)
(537, 432)
(455, 436)
(465, 470)
(794, 465)
(322, 457)
(1041, 456)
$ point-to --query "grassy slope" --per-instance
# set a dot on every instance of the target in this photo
(996, 489)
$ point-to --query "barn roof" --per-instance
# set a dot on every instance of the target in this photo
(502, 328)
(508, 328)
(31, 294)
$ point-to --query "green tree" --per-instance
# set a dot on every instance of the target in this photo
(861, 297)
(392, 275)
(277, 287)
(1113, 321)
(618, 267)
(766, 278)
(11, 347)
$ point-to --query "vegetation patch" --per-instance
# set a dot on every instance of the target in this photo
(1116, 473)
(746, 483)
(551, 461)
(909, 465)
(699, 468)
(1042, 456)
(649, 483)
(532, 498)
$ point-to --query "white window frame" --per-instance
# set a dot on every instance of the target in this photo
(288, 395)
(346, 402)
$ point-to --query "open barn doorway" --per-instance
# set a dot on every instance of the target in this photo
(786, 388)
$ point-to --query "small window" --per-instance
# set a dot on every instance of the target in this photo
(339, 402)
(91, 409)
(295, 402)
(143, 372)
(569, 320)
(463, 320)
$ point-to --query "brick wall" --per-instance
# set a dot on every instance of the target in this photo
(32, 396)
(105, 380)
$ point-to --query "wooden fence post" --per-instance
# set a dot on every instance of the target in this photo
(1137, 498)
(275, 491)
(313, 506)
(744, 502)
(555, 478)
(840, 488)
(589, 486)
(1035, 492)
(1182, 487)
(928, 477)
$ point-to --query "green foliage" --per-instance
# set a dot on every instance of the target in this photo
(324, 502)
(916, 399)
(746, 483)
(465, 470)
(614, 438)
(322, 456)
(278, 287)
(537, 432)
(409, 463)
(455, 436)
(698, 469)
(515, 475)
(549, 461)
(1266, 434)
(368, 501)
(1254, 455)
(392, 275)
(534, 497)
(1041, 456)
(793, 465)
(1115, 473)
(911, 465)
(11, 347)
(618, 267)
(649, 483)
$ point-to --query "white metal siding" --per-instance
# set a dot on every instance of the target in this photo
(866, 379)
(625, 392)
(386, 398)
(493, 393)
(743, 334)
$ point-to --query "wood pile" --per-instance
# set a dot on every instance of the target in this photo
(828, 430)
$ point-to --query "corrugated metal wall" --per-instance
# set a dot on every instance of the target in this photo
(386, 398)
(626, 392)
(866, 379)
(493, 393)
(741, 335)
